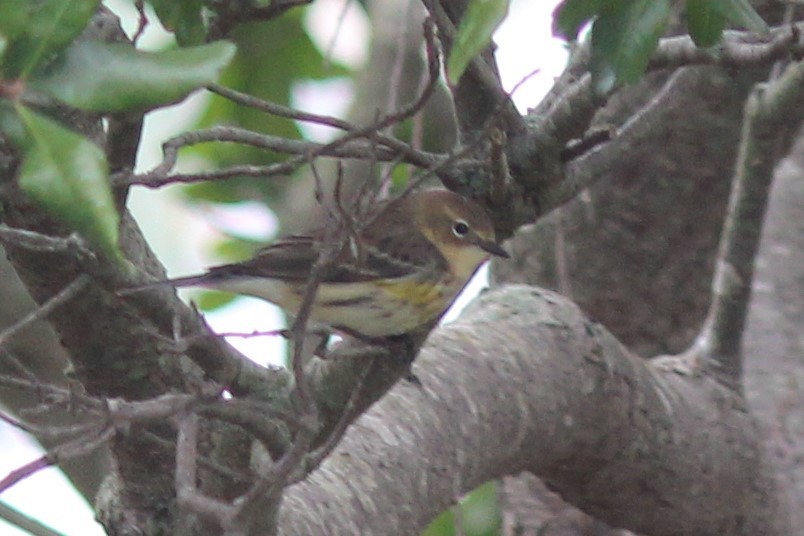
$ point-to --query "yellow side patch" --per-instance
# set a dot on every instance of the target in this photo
(426, 295)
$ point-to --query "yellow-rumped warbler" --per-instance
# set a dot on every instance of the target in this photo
(407, 266)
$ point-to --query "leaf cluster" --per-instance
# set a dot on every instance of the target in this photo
(625, 33)
(46, 64)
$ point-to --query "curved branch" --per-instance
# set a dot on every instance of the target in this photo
(568, 111)
(576, 409)
(305, 151)
(773, 117)
(736, 49)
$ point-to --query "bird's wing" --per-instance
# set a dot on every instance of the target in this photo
(379, 253)
(290, 258)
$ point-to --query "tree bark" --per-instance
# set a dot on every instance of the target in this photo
(524, 382)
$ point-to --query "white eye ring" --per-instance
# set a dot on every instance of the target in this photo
(460, 228)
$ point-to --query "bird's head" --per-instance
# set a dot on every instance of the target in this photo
(460, 229)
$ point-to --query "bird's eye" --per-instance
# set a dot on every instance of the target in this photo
(460, 228)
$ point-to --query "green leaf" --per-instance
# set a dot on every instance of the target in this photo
(474, 33)
(479, 511)
(741, 13)
(68, 176)
(183, 18)
(570, 16)
(209, 300)
(15, 17)
(624, 36)
(706, 21)
(113, 77)
(49, 26)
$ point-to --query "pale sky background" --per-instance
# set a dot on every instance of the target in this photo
(524, 45)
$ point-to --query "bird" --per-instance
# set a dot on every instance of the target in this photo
(400, 272)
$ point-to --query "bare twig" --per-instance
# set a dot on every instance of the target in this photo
(51, 432)
(65, 295)
(229, 16)
(15, 362)
(160, 176)
(315, 458)
(582, 172)
(168, 446)
(142, 21)
(30, 525)
(259, 420)
(187, 458)
(394, 144)
(74, 449)
(338, 27)
(270, 485)
(38, 242)
(161, 407)
(568, 111)
(498, 166)
(341, 148)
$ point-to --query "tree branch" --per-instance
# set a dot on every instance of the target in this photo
(773, 117)
(576, 409)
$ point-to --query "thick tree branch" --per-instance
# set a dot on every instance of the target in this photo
(575, 408)
(536, 155)
(773, 117)
(736, 49)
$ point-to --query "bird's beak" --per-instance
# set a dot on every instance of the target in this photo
(493, 248)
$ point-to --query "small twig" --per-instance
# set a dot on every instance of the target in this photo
(368, 191)
(161, 407)
(256, 419)
(338, 27)
(230, 16)
(298, 115)
(279, 110)
(68, 451)
(65, 295)
(590, 140)
(44, 389)
(168, 446)
(142, 21)
(7, 356)
(51, 432)
(187, 495)
(30, 525)
(34, 241)
(186, 455)
(315, 458)
(306, 404)
(585, 170)
(270, 485)
(255, 333)
(308, 151)
(498, 165)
